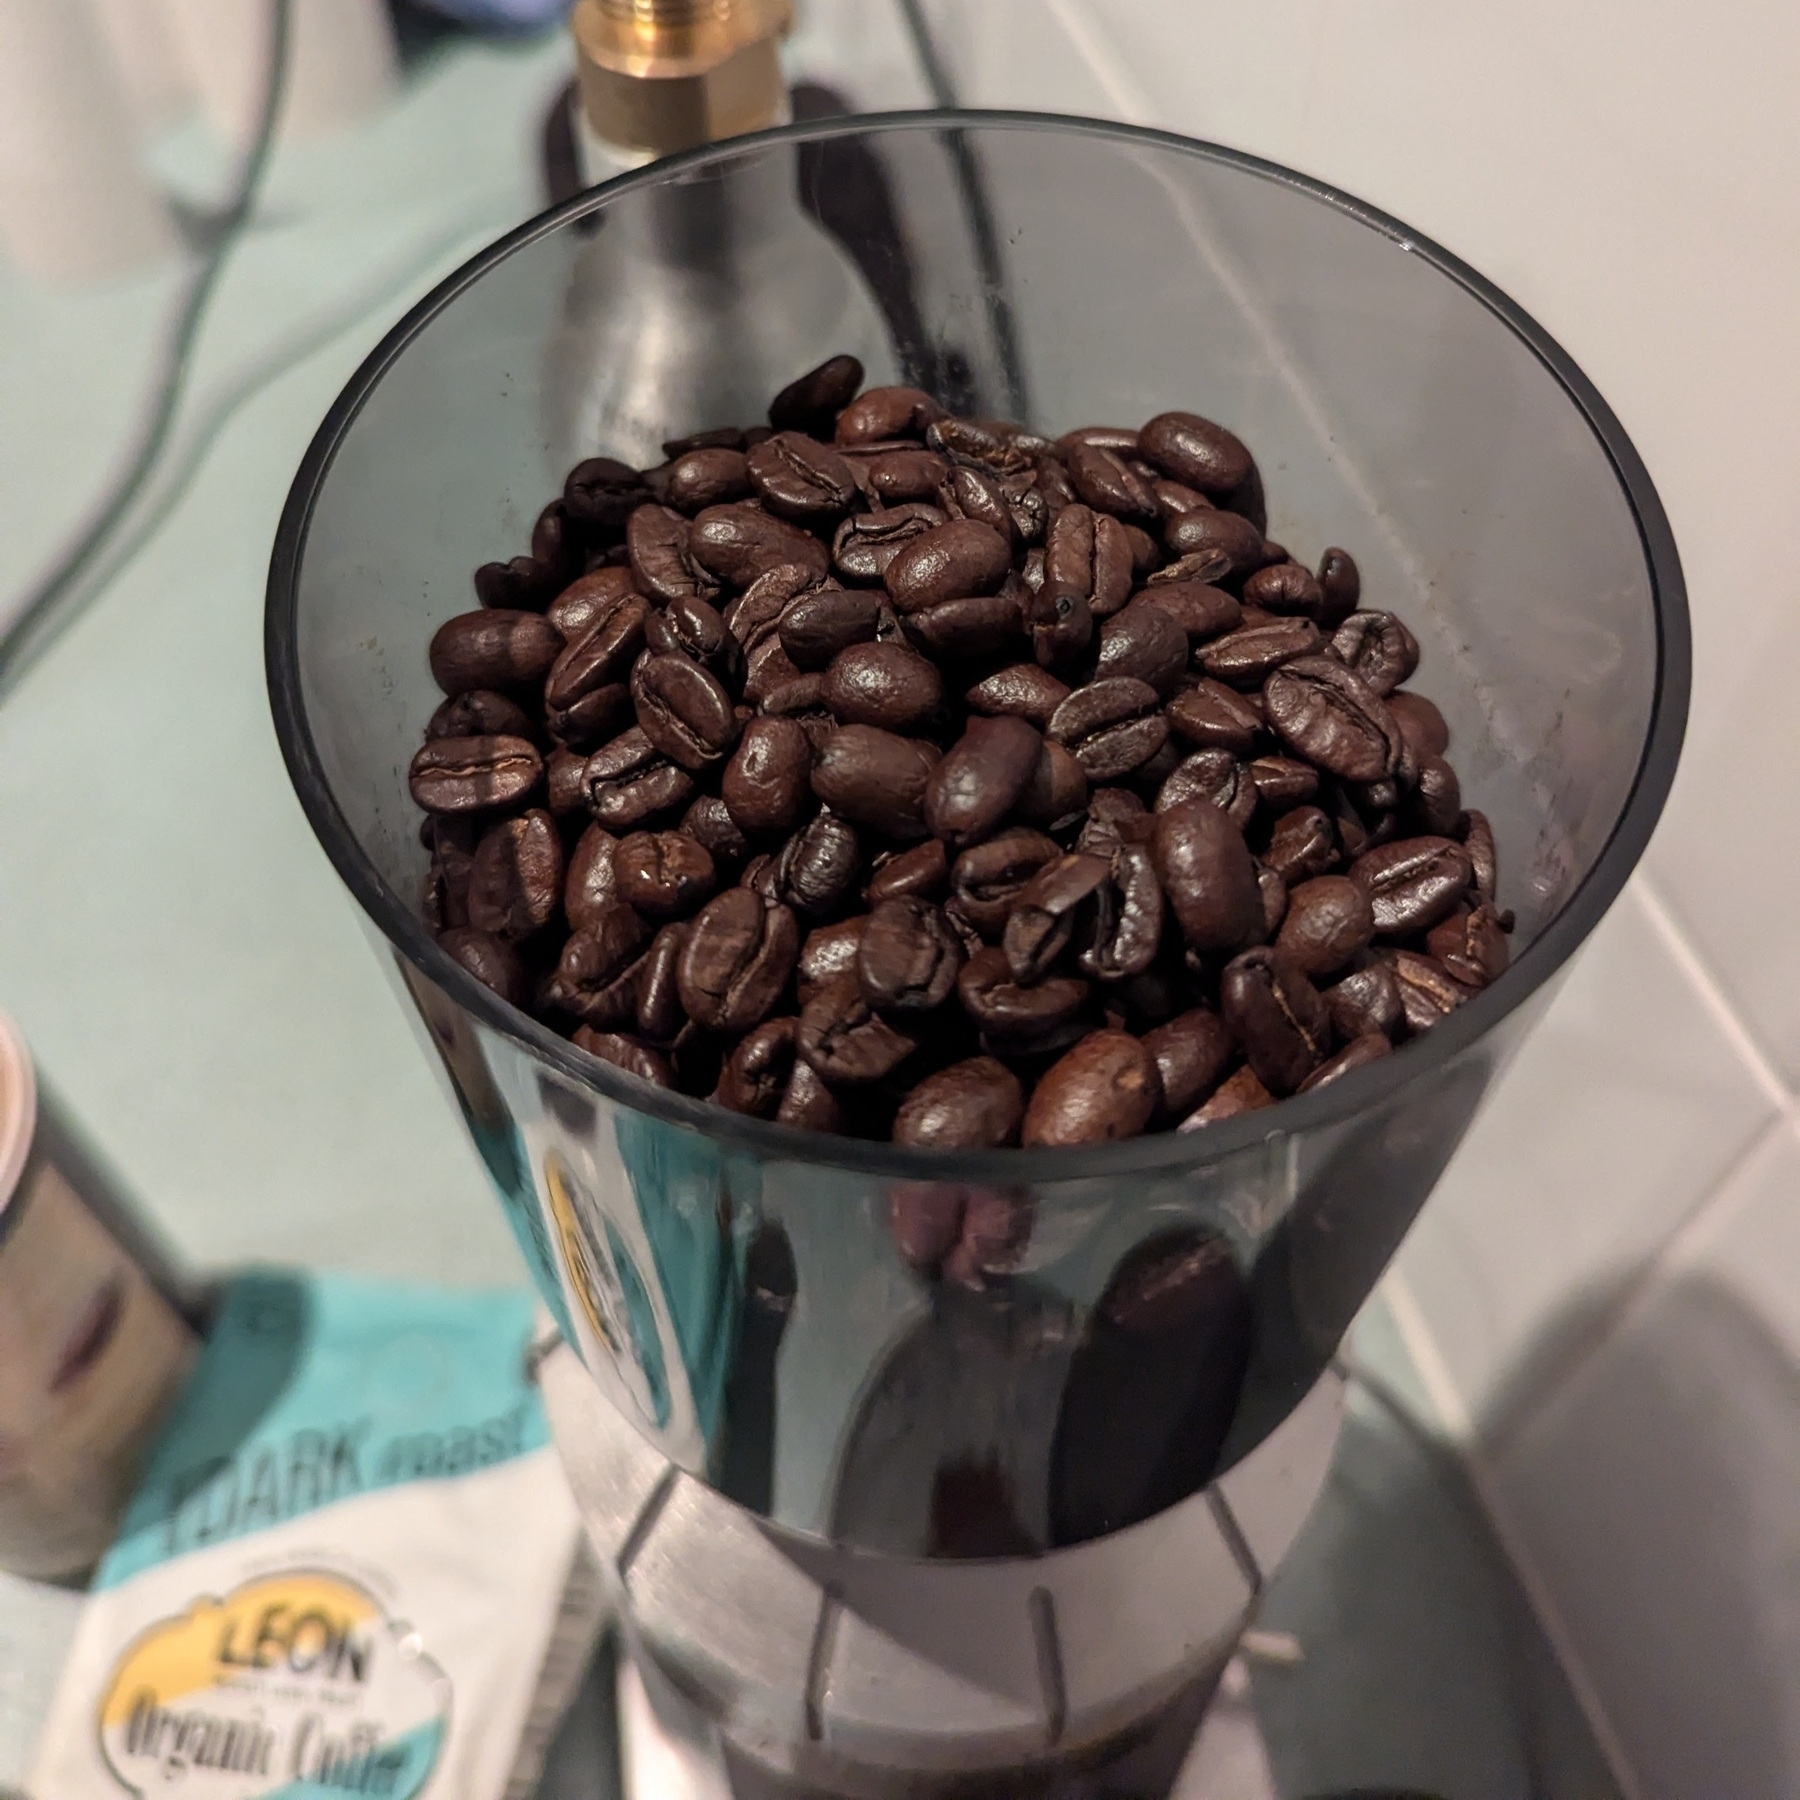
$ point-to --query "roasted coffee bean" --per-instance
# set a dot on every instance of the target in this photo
(626, 1053)
(1203, 612)
(629, 781)
(600, 494)
(1232, 545)
(1413, 884)
(1110, 727)
(1421, 724)
(1042, 922)
(1212, 717)
(479, 713)
(1276, 1015)
(1087, 553)
(756, 1073)
(830, 951)
(1333, 719)
(1056, 793)
(980, 780)
(564, 789)
(1357, 1054)
(973, 1105)
(1283, 783)
(1435, 805)
(1378, 649)
(1061, 626)
(1237, 1094)
(739, 954)
(950, 562)
(1341, 584)
(886, 412)
(660, 543)
(816, 627)
(970, 493)
(767, 786)
(1471, 945)
(890, 686)
(1191, 1053)
(818, 867)
(473, 774)
(684, 711)
(901, 474)
(522, 585)
(962, 630)
(1023, 691)
(846, 1041)
(594, 976)
(922, 740)
(812, 402)
(1195, 451)
(660, 1017)
(808, 1104)
(1146, 642)
(1246, 658)
(1478, 845)
(875, 778)
(921, 873)
(908, 958)
(1215, 776)
(1285, 588)
(493, 648)
(1428, 991)
(1364, 1001)
(798, 478)
(583, 600)
(739, 542)
(710, 824)
(696, 629)
(866, 543)
(1128, 918)
(1108, 483)
(516, 876)
(709, 477)
(493, 962)
(1329, 919)
(1115, 816)
(1103, 437)
(602, 656)
(589, 884)
(592, 720)
(664, 874)
(1105, 1089)
(1018, 1018)
(1208, 877)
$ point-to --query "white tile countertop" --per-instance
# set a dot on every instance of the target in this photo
(1597, 1302)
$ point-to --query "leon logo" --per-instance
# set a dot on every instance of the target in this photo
(294, 1687)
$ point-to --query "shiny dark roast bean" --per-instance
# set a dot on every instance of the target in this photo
(1061, 805)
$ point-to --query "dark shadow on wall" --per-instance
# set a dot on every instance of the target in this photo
(1658, 1492)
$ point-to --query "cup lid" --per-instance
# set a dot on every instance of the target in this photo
(18, 1109)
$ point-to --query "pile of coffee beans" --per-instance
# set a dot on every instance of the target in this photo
(917, 777)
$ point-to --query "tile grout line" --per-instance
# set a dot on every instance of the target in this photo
(1712, 993)
(1132, 102)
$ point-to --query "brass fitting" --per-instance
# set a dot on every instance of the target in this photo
(667, 75)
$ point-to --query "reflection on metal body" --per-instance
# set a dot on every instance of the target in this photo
(799, 1662)
(862, 1402)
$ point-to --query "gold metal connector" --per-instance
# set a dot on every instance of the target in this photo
(666, 75)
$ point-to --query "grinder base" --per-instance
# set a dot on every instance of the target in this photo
(806, 1668)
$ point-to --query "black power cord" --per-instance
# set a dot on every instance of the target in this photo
(56, 597)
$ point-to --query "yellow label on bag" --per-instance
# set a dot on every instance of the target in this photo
(295, 1685)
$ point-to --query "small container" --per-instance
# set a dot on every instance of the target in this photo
(92, 1352)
